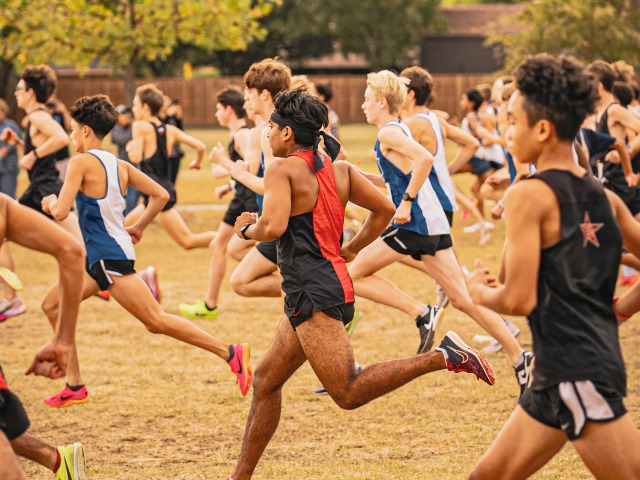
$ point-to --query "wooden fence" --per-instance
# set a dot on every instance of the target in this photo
(197, 96)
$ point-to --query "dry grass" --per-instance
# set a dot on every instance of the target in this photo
(163, 410)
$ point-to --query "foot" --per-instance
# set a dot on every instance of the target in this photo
(10, 278)
(239, 362)
(523, 371)
(478, 226)
(426, 324)
(150, 277)
(11, 308)
(628, 280)
(485, 234)
(460, 357)
(351, 326)
(198, 311)
(67, 397)
(72, 463)
(495, 346)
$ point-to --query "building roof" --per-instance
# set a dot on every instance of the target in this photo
(474, 20)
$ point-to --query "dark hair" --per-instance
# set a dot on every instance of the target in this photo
(623, 93)
(326, 90)
(603, 73)
(558, 90)
(421, 84)
(234, 98)
(96, 112)
(635, 89)
(41, 79)
(306, 110)
(269, 74)
(152, 96)
(475, 98)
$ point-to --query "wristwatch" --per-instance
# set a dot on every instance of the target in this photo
(244, 229)
(407, 198)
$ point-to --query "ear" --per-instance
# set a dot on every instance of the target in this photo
(287, 134)
(86, 131)
(544, 130)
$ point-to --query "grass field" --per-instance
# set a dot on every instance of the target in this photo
(163, 410)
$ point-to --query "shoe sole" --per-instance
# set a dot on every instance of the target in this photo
(6, 316)
(10, 278)
(246, 364)
(79, 462)
(486, 367)
(68, 404)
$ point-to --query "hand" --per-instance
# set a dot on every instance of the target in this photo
(28, 161)
(47, 202)
(347, 254)
(632, 179)
(9, 136)
(479, 279)
(218, 171)
(222, 190)
(243, 219)
(496, 212)
(239, 170)
(612, 157)
(194, 164)
(493, 180)
(403, 213)
(135, 231)
(51, 360)
(217, 153)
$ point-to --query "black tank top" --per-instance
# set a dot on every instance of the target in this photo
(243, 192)
(575, 335)
(44, 170)
(157, 165)
(612, 172)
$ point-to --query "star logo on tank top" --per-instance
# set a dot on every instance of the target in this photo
(589, 231)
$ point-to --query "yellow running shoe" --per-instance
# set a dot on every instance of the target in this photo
(72, 463)
(10, 278)
(198, 311)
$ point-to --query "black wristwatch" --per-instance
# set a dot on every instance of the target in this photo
(244, 229)
(407, 198)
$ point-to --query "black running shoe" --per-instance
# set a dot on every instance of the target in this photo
(523, 371)
(460, 357)
(426, 324)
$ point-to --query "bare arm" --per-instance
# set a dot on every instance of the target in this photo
(629, 226)
(181, 137)
(246, 171)
(56, 138)
(135, 148)
(628, 120)
(158, 197)
(59, 207)
(468, 145)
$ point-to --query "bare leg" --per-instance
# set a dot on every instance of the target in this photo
(630, 260)
(10, 469)
(6, 260)
(173, 223)
(475, 188)
(34, 449)
(218, 266)
(610, 449)
(462, 199)
(629, 303)
(370, 260)
(536, 445)
(132, 293)
(256, 276)
(238, 248)
(284, 357)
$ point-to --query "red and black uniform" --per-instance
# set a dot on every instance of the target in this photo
(314, 275)
(44, 178)
(13, 419)
(157, 166)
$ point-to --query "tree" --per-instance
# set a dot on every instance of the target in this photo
(387, 32)
(587, 29)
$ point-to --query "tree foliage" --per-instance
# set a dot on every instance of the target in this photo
(587, 29)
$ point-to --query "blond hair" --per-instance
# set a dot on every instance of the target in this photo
(303, 82)
(389, 86)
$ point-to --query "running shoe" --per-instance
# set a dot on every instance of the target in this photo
(426, 324)
(198, 311)
(460, 357)
(628, 280)
(495, 346)
(351, 326)
(72, 463)
(150, 277)
(239, 362)
(323, 391)
(67, 397)
(12, 308)
(479, 226)
(10, 278)
(523, 371)
(104, 295)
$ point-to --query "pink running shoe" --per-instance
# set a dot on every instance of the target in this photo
(460, 357)
(12, 308)
(150, 277)
(67, 397)
(239, 362)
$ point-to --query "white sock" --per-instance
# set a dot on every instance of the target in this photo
(628, 271)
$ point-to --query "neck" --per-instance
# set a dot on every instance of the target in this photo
(32, 106)
(236, 124)
(92, 144)
(606, 98)
(557, 155)
(385, 118)
(415, 109)
(299, 148)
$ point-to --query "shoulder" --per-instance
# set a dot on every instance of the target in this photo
(41, 117)
(523, 192)
(390, 133)
(142, 126)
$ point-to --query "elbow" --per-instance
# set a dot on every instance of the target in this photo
(522, 306)
(273, 233)
(475, 145)
(164, 197)
(62, 141)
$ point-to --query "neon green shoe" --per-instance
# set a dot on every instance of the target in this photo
(351, 326)
(72, 463)
(198, 311)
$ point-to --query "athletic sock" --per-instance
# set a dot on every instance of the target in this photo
(628, 271)
(58, 462)
(520, 359)
(211, 309)
(75, 388)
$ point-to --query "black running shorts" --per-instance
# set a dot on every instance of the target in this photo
(169, 187)
(269, 250)
(103, 270)
(570, 405)
(237, 206)
(298, 308)
(414, 244)
(13, 419)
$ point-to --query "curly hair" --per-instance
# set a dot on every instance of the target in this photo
(96, 112)
(421, 84)
(269, 74)
(558, 90)
(41, 79)
(304, 109)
